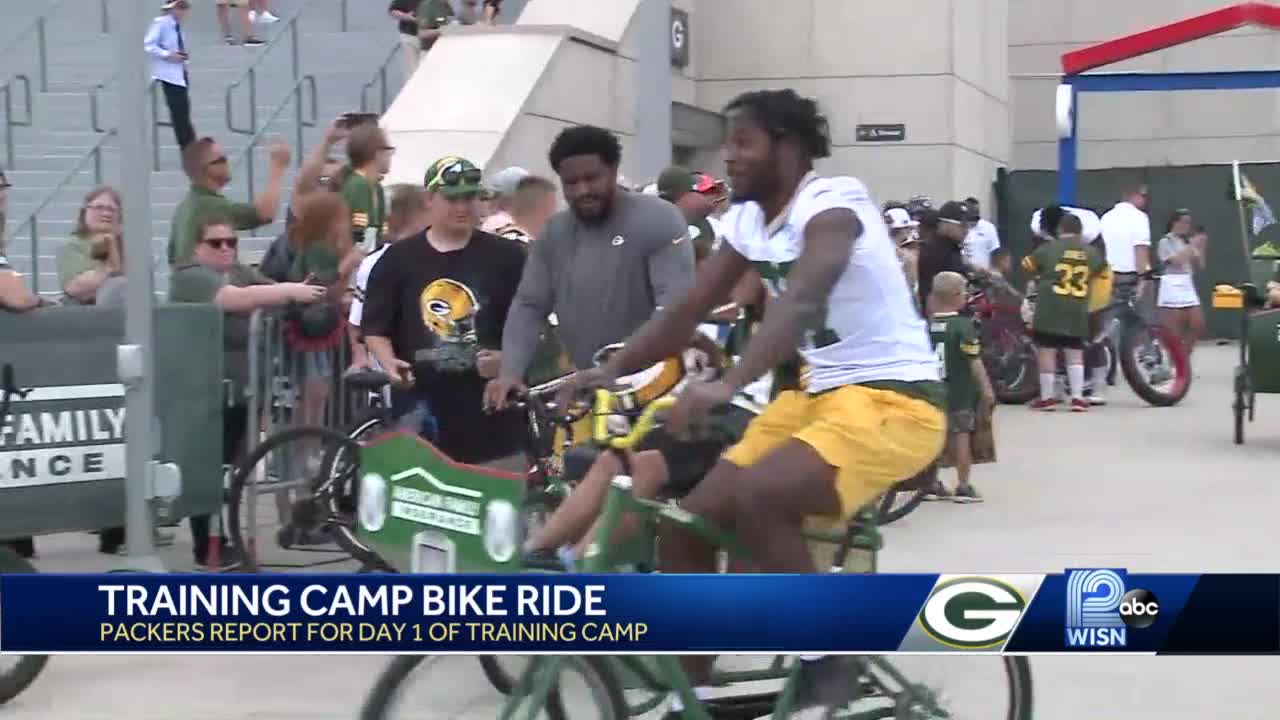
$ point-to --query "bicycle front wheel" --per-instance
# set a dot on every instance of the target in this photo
(1155, 364)
(954, 687)
(17, 672)
(585, 688)
(340, 491)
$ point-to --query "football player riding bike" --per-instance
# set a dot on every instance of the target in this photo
(866, 406)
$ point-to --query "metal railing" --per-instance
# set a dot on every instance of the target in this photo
(295, 98)
(250, 75)
(39, 28)
(32, 223)
(380, 81)
(10, 122)
(42, 47)
(157, 121)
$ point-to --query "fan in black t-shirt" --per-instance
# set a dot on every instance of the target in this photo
(437, 302)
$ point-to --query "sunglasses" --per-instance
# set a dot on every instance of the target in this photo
(455, 175)
(217, 243)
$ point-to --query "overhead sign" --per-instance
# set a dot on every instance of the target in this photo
(679, 38)
(881, 133)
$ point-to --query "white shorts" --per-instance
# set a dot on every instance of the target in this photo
(1177, 291)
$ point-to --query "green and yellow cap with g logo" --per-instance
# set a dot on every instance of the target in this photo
(454, 177)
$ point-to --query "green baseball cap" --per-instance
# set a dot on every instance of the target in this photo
(674, 182)
(454, 177)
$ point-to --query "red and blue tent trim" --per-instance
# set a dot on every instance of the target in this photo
(1077, 64)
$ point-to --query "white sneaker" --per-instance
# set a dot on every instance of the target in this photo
(267, 18)
(1096, 399)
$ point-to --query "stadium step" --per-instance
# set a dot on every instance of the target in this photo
(81, 57)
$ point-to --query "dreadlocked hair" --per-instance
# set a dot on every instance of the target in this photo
(783, 113)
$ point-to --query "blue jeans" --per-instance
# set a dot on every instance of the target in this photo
(413, 415)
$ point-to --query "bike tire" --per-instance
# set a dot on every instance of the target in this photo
(1133, 374)
(24, 672)
(887, 512)
(1018, 670)
(1020, 383)
(329, 439)
(370, 424)
(597, 671)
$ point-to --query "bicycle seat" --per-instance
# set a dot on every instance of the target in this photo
(366, 380)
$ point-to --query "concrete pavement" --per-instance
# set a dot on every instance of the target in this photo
(1149, 489)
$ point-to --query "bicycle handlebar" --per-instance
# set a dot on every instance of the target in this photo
(643, 425)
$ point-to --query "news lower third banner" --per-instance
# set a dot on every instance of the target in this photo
(1095, 610)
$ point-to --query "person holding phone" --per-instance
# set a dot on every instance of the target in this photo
(167, 47)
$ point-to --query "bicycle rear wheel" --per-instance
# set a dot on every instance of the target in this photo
(280, 459)
(17, 672)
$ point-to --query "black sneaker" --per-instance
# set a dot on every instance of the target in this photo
(253, 41)
(832, 683)
(937, 491)
(543, 560)
(291, 536)
(966, 495)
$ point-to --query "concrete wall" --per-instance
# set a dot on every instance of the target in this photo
(945, 78)
(938, 66)
(1139, 129)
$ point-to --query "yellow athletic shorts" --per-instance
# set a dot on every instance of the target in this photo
(873, 437)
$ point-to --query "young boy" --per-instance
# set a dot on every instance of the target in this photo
(1067, 273)
(955, 338)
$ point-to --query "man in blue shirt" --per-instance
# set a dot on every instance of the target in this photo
(168, 50)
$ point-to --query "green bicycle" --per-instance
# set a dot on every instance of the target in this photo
(618, 687)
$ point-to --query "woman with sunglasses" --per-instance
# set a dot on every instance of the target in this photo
(214, 275)
(92, 253)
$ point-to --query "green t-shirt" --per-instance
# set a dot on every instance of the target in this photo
(433, 15)
(1064, 271)
(75, 258)
(368, 210)
(192, 283)
(955, 340)
(318, 260)
(199, 204)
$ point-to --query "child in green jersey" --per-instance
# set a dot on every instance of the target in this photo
(1067, 273)
(955, 339)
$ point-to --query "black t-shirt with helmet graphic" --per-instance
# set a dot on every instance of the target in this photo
(439, 309)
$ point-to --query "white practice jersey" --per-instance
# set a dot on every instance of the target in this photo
(872, 331)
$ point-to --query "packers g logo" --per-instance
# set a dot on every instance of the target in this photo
(449, 309)
(972, 612)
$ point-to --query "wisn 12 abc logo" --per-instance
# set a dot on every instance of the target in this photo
(1100, 611)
